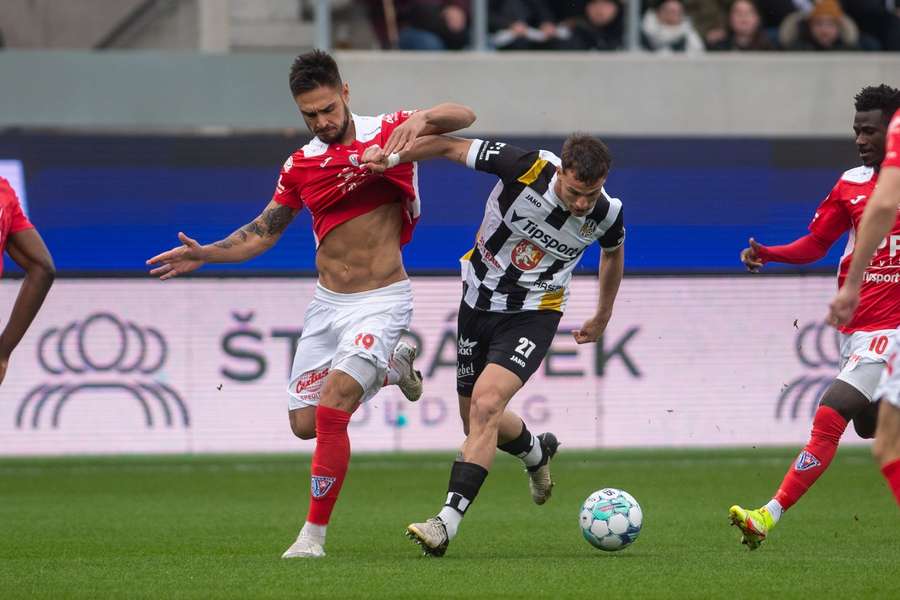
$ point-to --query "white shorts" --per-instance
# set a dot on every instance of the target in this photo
(889, 390)
(353, 333)
(863, 357)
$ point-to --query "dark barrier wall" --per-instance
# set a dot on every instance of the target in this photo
(107, 203)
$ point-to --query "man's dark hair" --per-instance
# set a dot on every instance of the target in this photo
(314, 69)
(587, 156)
(878, 97)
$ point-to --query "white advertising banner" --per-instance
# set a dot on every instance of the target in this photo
(133, 366)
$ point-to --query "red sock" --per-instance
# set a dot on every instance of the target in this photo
(329, 463)
(891, 472)
(828, 427)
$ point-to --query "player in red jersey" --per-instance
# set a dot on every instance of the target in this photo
(363, 299)
(875, 233)
(866, 340)
(24, 245)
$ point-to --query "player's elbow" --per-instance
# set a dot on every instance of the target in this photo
(467, 115)
(42, 270)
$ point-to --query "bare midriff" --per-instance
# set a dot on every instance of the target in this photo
(363, 253)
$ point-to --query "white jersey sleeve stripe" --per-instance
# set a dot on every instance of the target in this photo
(472, 155)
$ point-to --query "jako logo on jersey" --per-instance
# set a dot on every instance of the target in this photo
(319, 485)
(806, 461)
(526, 255)
(532, 199)
(325, 162)
(489, 150)
(858, 199)
(465, 347)
(548, 241)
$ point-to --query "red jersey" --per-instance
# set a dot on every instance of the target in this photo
(892, 156)
(879, 306)
(12, 219)
(328, 180)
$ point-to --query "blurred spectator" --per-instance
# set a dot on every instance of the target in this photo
(879, 19)
(709, 18)
(600, 26)
(744, 29)
(525, 25)
(773, 12)
(421, 24)
(667, 29)
(825, 28)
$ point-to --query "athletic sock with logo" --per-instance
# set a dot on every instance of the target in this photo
(828, 427)
(526, 447)
(891, 472)
(329, 463)
(465, 480)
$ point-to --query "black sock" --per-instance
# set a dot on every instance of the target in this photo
(520, 446)
(465, 480)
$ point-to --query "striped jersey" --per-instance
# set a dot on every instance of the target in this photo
(528, 243)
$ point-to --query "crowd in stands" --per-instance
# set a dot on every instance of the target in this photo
(667, 26)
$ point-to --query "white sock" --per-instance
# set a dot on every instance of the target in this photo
(316, 532)
(451, 518)
(534, 456)
(774, 508)
(392, 377)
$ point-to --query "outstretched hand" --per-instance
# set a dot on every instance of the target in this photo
(179, 260)
(592, 329)
(750, 257)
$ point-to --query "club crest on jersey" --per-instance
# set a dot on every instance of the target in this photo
(526, 255)
(354, 159)
(288, 163)
(806, 461)
(588, 229)
(321, 485)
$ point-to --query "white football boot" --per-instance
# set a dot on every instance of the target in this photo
(306, 546)
(410, 380)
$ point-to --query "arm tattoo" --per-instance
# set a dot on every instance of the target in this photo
(277, 219)
(271, 223)
(237, 237)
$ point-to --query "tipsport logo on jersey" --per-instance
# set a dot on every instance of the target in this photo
(104, 356)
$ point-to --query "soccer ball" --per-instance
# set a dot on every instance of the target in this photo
(610, 519)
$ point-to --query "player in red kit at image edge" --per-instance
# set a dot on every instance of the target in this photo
(23, 243)
(866, 339)
(880, 214)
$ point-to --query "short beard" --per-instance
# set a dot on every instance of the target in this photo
(339, 134)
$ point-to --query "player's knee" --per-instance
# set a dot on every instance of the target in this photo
(845, 399)
(303, 423)
(304, 432)
(486, 407)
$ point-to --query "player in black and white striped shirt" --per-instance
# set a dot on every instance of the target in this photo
(539, 218)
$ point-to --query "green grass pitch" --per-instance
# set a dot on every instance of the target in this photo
(214, 527)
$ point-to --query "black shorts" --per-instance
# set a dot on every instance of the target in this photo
(515, 341)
